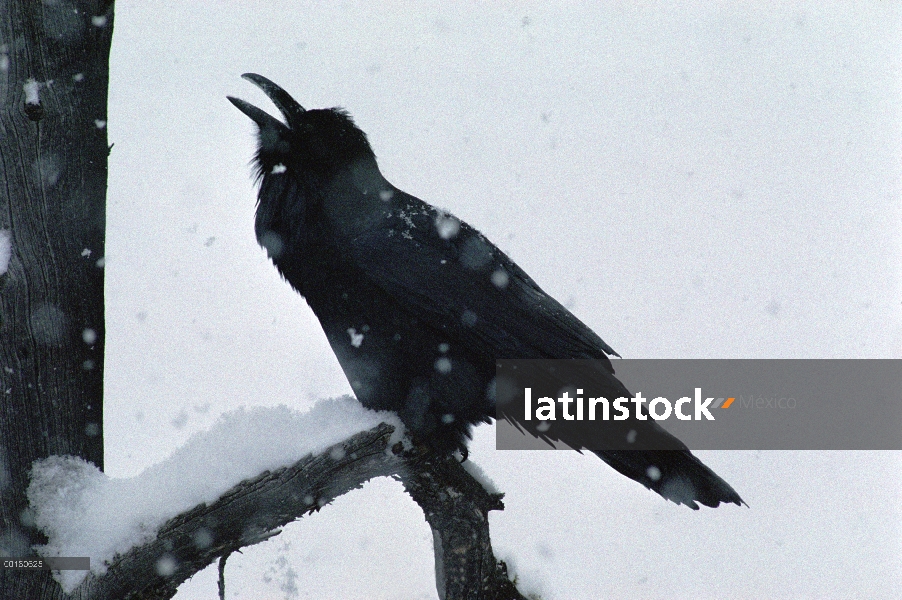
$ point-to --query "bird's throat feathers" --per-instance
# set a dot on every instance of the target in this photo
(295, 203)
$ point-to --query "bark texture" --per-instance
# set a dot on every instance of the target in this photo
(454, 503)
(54, 58)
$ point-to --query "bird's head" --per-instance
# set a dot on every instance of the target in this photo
(298, 158)
(309, 141)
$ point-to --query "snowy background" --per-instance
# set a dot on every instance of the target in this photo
(719, 180)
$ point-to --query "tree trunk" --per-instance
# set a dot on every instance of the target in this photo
(54, 71)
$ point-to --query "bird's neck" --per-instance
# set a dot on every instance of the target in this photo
(356, 199)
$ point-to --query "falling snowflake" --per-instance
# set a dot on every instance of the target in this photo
(166, 565)
(446, 225)
(653, 472)
(443, 365)
(356, 338)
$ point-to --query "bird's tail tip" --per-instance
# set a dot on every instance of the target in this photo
(677, 475)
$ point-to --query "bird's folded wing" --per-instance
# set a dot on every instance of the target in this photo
(466, 286)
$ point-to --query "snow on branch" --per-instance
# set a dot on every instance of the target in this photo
(84, 512)
(249, 513)
(146, 535)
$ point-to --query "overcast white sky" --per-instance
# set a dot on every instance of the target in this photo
(718, 180)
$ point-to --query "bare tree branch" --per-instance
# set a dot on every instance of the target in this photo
(455, 504)
(456, 507)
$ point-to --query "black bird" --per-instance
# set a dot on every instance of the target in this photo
(416, 304)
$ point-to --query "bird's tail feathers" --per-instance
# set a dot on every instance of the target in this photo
(675, 474)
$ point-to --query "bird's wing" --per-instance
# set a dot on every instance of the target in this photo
(448, 274)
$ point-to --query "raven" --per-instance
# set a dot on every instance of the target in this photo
(416, 304)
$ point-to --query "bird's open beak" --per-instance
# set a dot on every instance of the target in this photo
(283, 101)
(287, 105)
(262, 119)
